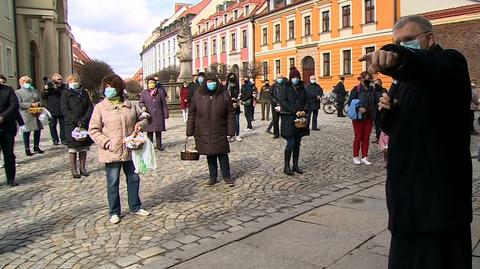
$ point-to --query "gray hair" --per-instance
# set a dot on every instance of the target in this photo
(423, 22)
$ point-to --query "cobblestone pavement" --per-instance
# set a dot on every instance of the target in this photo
(54, 221)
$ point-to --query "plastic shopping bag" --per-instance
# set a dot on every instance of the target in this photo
(135, 141)
(79, 134)
(144, 159)
(45, 116)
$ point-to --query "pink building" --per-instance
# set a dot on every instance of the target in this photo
(227, 36)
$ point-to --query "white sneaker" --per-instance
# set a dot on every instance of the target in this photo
(356, 160)
(238, 138)
(247, 130)
(365, 161)
(114, 219)
(141, 212)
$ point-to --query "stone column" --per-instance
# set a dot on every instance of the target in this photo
(50, 47)
(65, 52)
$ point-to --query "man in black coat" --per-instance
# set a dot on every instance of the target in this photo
(193, 87)
(314, 93)
(274, 97)
(379, 90)
(8, 128)
(429, 176)
(52, 94)
(340, 91)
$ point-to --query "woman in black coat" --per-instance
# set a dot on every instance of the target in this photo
(293, 103)
(77, 109)
(233, 90)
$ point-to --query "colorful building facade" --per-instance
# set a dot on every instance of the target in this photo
(323, 38)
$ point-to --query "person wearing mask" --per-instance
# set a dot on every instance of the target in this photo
(247, 100)
(255, 97)
(315, 93)
(52, 94)
(193, 87)
(363, 127)
(340, 91)
(112, 120)
(429, 180)
(77, 109)
(211, 119)
(379, 90)
(265, 100)
(154, 101)
(274, 97)
(234, 91)
(184, 101)
(28, 98)
(474, 105)
(9, 107)
(293, 104)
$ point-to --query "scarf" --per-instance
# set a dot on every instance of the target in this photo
(78, 92)
(153, 92)
(116, 102)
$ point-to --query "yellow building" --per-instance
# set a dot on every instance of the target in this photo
(323, 38)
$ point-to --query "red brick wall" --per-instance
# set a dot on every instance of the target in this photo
(464, 37)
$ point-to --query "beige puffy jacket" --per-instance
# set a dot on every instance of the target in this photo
(109, 126)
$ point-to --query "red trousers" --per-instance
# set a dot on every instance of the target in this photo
(362, 129)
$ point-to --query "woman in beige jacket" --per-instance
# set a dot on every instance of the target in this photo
(112, 120)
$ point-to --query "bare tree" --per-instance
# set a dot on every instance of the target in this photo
(220, 70)
(252, 69)
(92, 75)
(166, 74)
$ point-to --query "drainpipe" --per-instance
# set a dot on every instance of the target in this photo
(252, 20)
(16, 39)
(395, 11)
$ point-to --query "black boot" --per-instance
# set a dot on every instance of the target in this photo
(38, 150)
(28, 152)
(296, 154)
(286, 169)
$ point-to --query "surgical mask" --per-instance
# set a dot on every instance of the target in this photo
(110, 92)
(27, 86)
(211, 86)
(151, 85)
(74, 85)
(279, 80)
(413, 44)
(312, 81)
(200, 80)
(295, 81)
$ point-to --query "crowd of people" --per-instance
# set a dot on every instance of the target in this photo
(429, 181)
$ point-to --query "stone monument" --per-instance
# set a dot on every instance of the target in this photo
(184, 54)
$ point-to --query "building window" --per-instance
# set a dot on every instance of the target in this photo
(216, 22)
(224, 18)
(265, 70)
(277, 67)
(199, 28)
(207, 26)
(368, 62)
(346, 16)
(197, 51)
(247, 10)
(214, 47)
(291, 61)
(169, 47)
(307, 26)
(6, 9)
(325, 21)
(223, 44)
(235, 14)
(326, 64)
(277, 33)
(244, 39)
(234, 42)
(291, 29)
(369, 11)
(264, 36)
(205, 49)
(347, 62)
(245, 69)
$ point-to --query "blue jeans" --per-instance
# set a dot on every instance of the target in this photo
(237, 124)
(113, 182)
(224, 165)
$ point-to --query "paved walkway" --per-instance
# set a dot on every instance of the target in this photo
(54, 221)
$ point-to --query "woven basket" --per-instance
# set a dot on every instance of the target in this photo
(186, 155)
(301, 123)
(35, 110)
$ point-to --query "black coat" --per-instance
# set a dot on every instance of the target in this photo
(76, 109)
(233, 91)
(341, 92)
(192, 88)
(52, 98)
(293, 99)
(367, 100)
(429, 178)
(247, 94)
(313, 91)
(9, 109)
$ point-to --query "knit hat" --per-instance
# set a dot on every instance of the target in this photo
(294, 73)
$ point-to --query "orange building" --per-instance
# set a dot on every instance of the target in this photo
(323, 38)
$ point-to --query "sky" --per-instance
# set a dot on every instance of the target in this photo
(114, 30)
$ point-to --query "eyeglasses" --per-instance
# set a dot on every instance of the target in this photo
(410, 38)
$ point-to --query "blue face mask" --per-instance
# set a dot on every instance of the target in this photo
(413, 44)
(313, 81)
(279, 80)
(110, 92)
(200, 80)
(295, 81)
(27, 86)
(211, 86)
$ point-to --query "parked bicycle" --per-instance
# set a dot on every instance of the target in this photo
(330, 104)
